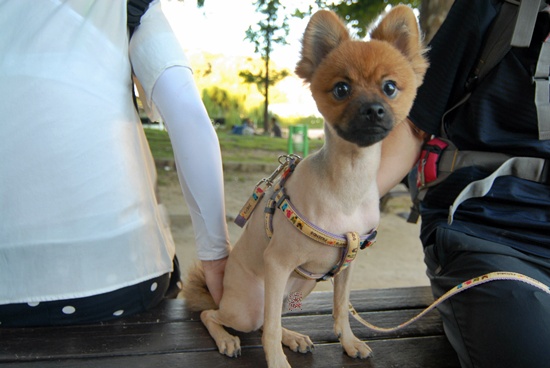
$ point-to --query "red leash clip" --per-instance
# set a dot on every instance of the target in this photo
(427, 164)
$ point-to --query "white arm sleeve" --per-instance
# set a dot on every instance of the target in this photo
(198, 158)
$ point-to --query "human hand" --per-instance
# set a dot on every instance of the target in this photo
(213, 273)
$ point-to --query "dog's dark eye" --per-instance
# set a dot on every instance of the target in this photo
(341, 90)
(389, 88)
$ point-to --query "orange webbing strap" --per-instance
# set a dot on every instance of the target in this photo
(284, 162)
(251, 203)
(351, 251)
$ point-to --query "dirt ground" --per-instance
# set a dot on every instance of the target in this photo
(395, 260)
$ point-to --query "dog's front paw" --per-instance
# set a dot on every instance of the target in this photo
(297, 342)
(229, 345)
(356, 348)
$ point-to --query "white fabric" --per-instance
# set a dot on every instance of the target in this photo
(152, 55)
(198, 159)
(78, 213)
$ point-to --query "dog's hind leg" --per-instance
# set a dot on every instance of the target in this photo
(354, 347)
(238, 310)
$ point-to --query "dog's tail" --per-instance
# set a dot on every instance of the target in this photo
(195, 292)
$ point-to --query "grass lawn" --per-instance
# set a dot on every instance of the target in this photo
(235, 148)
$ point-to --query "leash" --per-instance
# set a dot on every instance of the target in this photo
(477, 281)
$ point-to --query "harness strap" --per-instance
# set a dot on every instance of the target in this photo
(278, 192)
(350, 243)
(250, 205)
(440, 158)
(524, 26)
(348, 256)
(300, 222)
(521, 37)
(501, 37)
(497, 43)
(529, 168)
(542, 90)
(286, 162)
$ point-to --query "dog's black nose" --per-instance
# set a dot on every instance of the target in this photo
(374, 112)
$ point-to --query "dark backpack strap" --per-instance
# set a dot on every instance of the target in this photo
(495, 46)
(513, 26)
(497, 43)
(135, 9)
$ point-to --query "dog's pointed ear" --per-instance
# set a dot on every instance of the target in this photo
(400, 28)
(324, 32)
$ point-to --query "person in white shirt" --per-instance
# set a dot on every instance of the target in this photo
(82, 237)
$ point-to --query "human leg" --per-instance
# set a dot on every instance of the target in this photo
(96, 308)
(498, 324)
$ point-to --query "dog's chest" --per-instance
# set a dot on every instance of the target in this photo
(337, 213)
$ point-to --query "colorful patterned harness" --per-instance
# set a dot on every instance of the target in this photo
(350, 242)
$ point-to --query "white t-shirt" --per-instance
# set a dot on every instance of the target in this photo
(78, 213)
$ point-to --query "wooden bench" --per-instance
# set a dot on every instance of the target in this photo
(170, 336)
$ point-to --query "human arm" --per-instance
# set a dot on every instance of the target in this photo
(213, 274)
(198, 159)
(168, 87)
(400, 151)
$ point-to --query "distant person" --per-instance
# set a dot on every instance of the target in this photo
(248, 127)
(82, 237)
(276, 128)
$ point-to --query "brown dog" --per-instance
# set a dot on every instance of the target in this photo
(362, 89)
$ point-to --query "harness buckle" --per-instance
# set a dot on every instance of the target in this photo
(427, 164)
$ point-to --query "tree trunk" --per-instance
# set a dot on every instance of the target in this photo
(266, 104)
(432, 15)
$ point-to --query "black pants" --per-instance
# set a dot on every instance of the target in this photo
(499, 324)
(97, 308)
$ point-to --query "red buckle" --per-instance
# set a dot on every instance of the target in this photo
(427, 164)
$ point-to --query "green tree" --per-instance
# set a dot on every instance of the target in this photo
(221, 104)
(269, 31)
(359, 14)
(432, 15)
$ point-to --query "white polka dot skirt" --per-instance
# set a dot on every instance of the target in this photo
(104, 307)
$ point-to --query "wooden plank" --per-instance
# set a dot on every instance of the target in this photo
(169, 334)
(320, 328)
(157, 338)
(426, 352)
(371, 300)
(317, 303)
